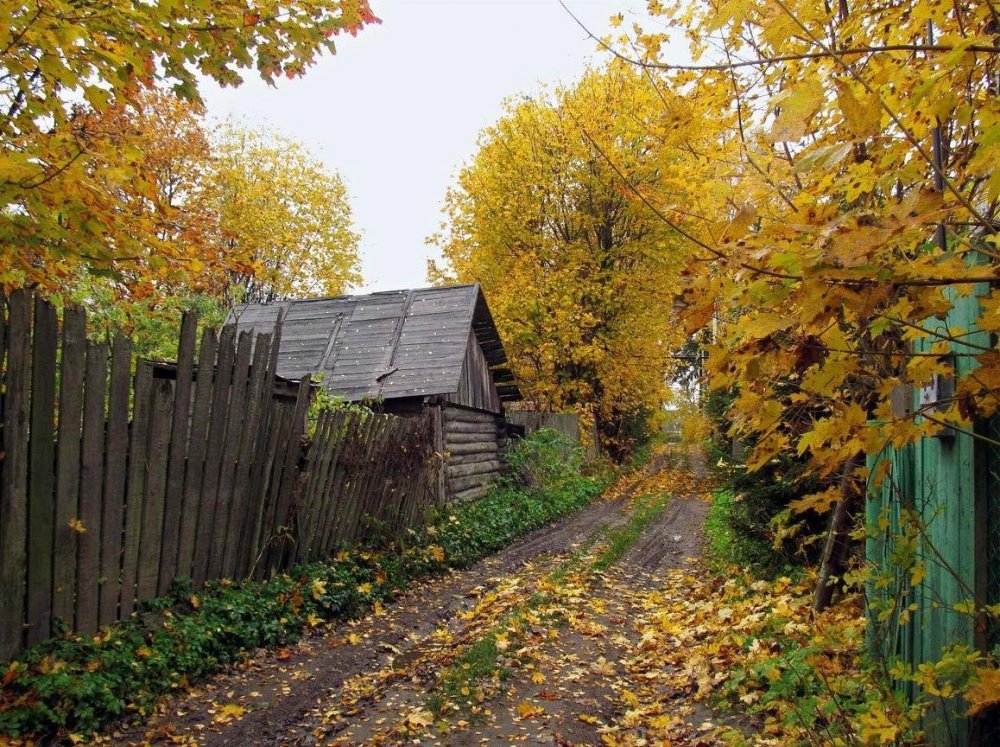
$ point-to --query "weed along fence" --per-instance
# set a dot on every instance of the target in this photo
(120, 474)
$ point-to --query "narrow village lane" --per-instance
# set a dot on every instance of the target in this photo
(534, 645)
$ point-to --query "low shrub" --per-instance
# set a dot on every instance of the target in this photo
(73, 684)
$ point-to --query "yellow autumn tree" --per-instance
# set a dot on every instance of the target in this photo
(59, 201)
(285, 226)
(578, 275)
(858, 144)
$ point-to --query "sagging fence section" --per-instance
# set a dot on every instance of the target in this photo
(120, 474)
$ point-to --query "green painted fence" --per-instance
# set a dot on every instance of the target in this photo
(950, 483)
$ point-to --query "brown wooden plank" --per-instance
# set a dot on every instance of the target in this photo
(316, 457)
(151, 546)
(197, 441)
(233, 438)
(348, 478)
(173, 500)
(136, 486)
(14, 481)
(263, 460)
(326, 500)
(41, 468)
(264, 522)
(359, 479)
(115, 472)
(88, 557)
(74, 340)
(386, 494)
(258, 389)
(331, 498)
(290, 472)
(213, 453)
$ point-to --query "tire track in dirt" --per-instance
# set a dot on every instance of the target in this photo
(280, 688)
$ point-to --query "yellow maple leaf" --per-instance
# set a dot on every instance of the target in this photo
(587, 718)
(313, 619)
(365, 588)
(229, 712)
(984, 692)
(538, 678)
(317, 588)
(420, 718)
(436, 552)
(876, 727)
(77, 526)
(528, 710)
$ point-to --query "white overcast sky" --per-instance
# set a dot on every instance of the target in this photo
(398, 109)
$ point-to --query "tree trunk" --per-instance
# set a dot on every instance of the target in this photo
(838, 539)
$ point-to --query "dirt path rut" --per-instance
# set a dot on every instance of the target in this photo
(546, 622)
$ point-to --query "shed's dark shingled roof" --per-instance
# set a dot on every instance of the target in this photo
(384, 345)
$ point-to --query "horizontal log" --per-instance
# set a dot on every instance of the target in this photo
(483, 456)
(461, 415)
(463, 496)
(464, 483)
(475, 468)
(476, 448)
(462, 426)
(470, 438)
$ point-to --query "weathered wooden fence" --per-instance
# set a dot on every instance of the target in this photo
(564, 422)
(120, 474)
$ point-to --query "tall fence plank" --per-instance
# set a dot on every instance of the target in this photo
(227, 471)
(136, 485)
(258, 398)
(213, 454)
(151, 544)
(91, 488)
(174, 491)
(198, 440)
(74, 341)
(14, 483)
(115, 465)
(41, 466)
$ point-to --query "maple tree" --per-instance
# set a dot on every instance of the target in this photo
(285, 226)
(64, 65)
(577, 273)
(843, 156)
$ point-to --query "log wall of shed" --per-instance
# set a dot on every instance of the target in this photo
(474, 441)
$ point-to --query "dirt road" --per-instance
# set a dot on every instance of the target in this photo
(528, 646)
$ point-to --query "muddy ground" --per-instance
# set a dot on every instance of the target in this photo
(372, 680)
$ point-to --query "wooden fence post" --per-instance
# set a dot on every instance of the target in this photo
(41, 467)
(14, 482)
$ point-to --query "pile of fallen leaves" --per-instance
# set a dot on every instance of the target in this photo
(753, 647)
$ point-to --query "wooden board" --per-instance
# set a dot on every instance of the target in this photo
(88, 569)
(173, 501)
(41, 467)
(74, 337)
(136, 485)
(197, 442)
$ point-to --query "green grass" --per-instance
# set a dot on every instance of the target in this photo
(620, 539)
(727, 546)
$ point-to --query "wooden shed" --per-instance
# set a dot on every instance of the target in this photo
(427, 351)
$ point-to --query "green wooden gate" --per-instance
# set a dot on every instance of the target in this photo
(951, 484)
